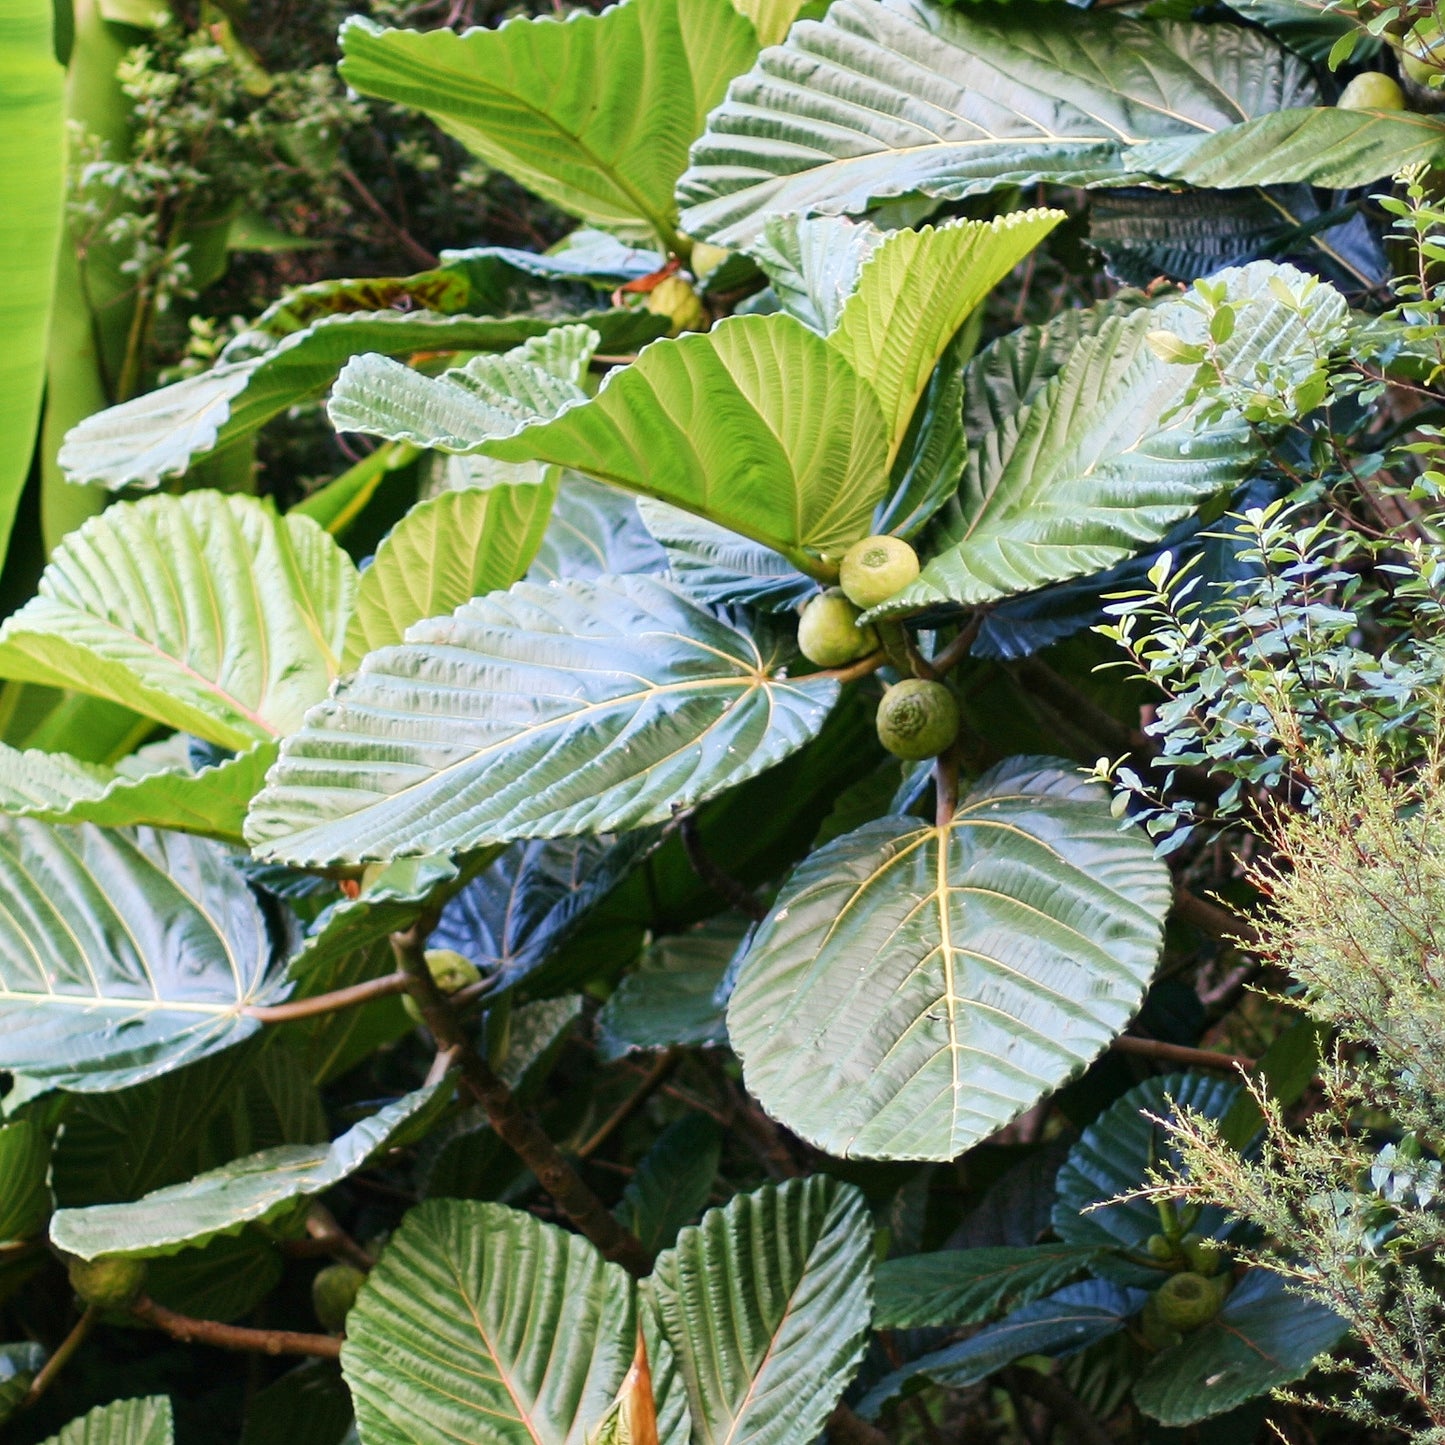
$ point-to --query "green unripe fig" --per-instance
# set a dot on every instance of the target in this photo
(1205, 1256)
(917, 719)
(450, 971)
(1374, 90)
(828, 631)
(673, 298)
(875, 568)
(1186, 1301)
(1160, 1247)
(333, 1292)
(109, 1283)
(1422, 56)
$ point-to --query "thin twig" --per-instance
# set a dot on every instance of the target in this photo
(723, 884)
(945, 789)
(409, 243)
(58, 1361)
(652, 1080)
(234, 1337)
(956, 650)
(1214, 919)
(513, 1125)
(855, 670)
(1179, 1054)
(325, 1003)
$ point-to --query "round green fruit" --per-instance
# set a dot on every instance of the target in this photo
(917, 719)
(333, 1292)
(108, 1283)
(674, 299)
(1374, 90)
(1186, 1301)
(1160, 1247)
(450, 971)
(1205, 1256)
(876, 568)
(1423, 54)
(828, 631)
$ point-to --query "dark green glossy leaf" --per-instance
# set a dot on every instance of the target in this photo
(966, 1286)
(24, 1193)
(19, 1364)
(673, 1181)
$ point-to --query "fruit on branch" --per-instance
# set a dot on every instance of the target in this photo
(1186, 1301)
(1422, 56)
(450, 971)
(1205, 1256)
(1374, 90)
(1161, 1247)
(828, 631)
(876, 568)
(333, 1292)
(917, 719)
(673, 298)
(109, 1283)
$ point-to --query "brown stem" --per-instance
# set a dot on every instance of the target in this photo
(945, 788)
(1062, 1404)
(723, 884)
(234, 1337)
(325, 1003)
(956, 650)
(513, 1125)
(322, 1229)
(1215, 920)
(855, 670)
(58, 1361)
(652, 1080)
(847, 1428)
(408, 242)
(1179, 1054)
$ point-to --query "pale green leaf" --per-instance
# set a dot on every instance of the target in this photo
(489, 396)
(255, 1189)
(481, 1323)
(122, 955)
(766, 1304)
(814, 264)
(888, 98)
(32, 205)
(595, 112)
(540, 712)
(1321, 145)
(913, 294)
(1105, 458)
(206, 612)
(158, 434)
(57, 788)
(126, 1422)
(444, 552)
(771, 18)
(915, 988)
(758, 425)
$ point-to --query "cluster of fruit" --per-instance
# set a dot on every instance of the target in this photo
(1422, 58)
(918, 717)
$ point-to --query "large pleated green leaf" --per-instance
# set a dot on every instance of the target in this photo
(884, 98)
(57, 788)
(813, 263)
(759, 425)
(252, 1190)
(914, 988)
(444, 552)
(157, 435)
(207, 612)
(915, 291)
(122, 955)
(126, 1422)
(489, 396)
(1104, 458)
(580, 707)
(1319, 145)
(32, 207)
(771, 18)
(766, 1304)
(481, 1323)
(595, 112)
